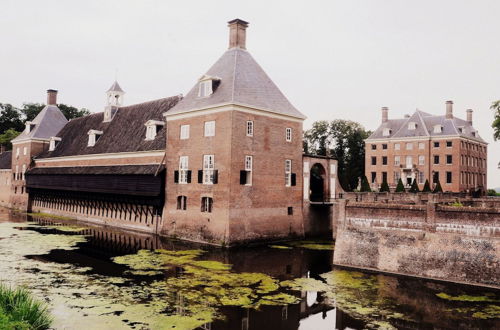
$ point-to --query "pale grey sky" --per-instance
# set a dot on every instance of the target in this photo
(332, 59)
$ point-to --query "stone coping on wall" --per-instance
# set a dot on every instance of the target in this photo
(378, 205)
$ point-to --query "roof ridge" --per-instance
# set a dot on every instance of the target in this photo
(400, 127)
(149, 102)
(234, 76)
(423, 122)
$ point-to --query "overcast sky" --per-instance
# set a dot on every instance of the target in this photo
(332, 59)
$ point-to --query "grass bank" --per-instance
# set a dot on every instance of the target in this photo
(20, 311)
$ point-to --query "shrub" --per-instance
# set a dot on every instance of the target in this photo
(427, 187)
(365, 186)
(492, 192)
(400, 187)
(438, 188)
(384, 187)
(457, 204)
(414, 187)
(19, 310)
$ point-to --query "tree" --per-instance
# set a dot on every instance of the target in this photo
(365, 186)
(400, 187)
(31, 110)
(10, 118)
(496, 120)
(438, 188)
(345, 140)
(427, 187)
(384, 187)
(7, 136)
(414, 187)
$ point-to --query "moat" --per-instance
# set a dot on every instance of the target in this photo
(100, 278)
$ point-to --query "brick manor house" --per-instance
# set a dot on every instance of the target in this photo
(427, 147)
(222, 164)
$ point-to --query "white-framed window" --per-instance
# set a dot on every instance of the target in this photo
(54, 141)
(181, 203)
(412, 125)
(409, 146)
(183, 169)
(150, 132)
(208, 169)
(16, 177)
(210, 128)
(397, 176)
(249, 128)
(421, 160)
(248, 169)
(205, 88)
(438, 128)
(93, 137)
(152, 128)
(409, 161)
(23, 172)
(386, 132)
(184, 132)
(17, 152)
(421, 146)
(397, 146)
(397, 160)
(421, 177)
(25, 151)
(207, 204)
(288, 173)
(288, 134)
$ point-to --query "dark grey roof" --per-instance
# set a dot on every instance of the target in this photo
(6, 160)
(243, 82)
(425, 127)
(125, 133)
(115, 88)
(46, 124)
(97, 170)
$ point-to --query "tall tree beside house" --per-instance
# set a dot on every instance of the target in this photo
(384, 187)
(343, 139)
(414, 187)
(427, 187)
(496, 120)
(400, 187)
(10, 118)
(365, 186)
(7, 136)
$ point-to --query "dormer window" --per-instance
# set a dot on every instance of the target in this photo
(412, 125)
(438, 128)
(207, 85)
(152, 128)
(94, 136)
(386, 132)
(460, 129)
(54, 141)
(473, 133)
(29, 126)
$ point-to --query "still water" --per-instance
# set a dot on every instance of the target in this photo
(100, 278)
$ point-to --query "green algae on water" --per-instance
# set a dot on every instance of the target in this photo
(283, 247)
(467, 298)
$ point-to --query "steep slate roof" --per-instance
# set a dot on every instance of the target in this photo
(47, 123)
(425, 127)
(243, 82)
(6, 160)
(115, 87)
(97, 170)
(125, 133)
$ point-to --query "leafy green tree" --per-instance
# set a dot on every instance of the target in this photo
(31, 110)
(400, 187)
(438, 188)
(414, 187)
(10, 118)
(427, 187)
(343, 139)
(365, 186)
(384, 187)
(496, 120)
(7, 136)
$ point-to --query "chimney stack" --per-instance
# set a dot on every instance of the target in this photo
(469, 116)
(51, 97)
(237, 33)
(385, 114)
(449, 109)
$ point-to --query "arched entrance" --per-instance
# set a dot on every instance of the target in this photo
(317, 183)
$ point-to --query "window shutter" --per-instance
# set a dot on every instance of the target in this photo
(216, 176)
(200, 176)
(294, 179)
(176, 176)
(243, 177)
(189, 176)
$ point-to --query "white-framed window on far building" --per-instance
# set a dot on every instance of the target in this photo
(288, 172)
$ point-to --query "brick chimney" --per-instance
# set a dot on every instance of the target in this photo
(469, 116)
(237, 33)
(449, 109)
(51, 97)
(385, 114)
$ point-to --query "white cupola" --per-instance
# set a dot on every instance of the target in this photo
(114, 100)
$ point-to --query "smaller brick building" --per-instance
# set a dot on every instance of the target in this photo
(427, 147)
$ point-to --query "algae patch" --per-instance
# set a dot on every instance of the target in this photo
(467, 298)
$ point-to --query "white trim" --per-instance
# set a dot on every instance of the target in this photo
(135, 154)
(228, 107)
(424, 138)
(6, 170)
(30, 140)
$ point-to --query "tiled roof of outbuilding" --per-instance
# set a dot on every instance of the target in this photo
(242, 82)
(6, 160)
(125, 133)
(97, 170)
(425, 127)
(46, 124)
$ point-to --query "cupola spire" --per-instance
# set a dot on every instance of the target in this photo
(114, 100)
